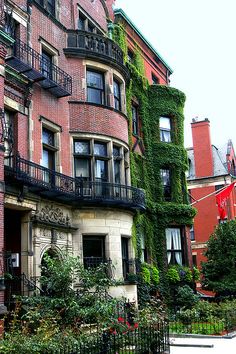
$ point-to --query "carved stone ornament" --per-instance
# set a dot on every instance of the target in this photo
(52, 215)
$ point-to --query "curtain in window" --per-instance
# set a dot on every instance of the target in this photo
(168, 244)
(173, 245)
(165, 136)
(177, 245)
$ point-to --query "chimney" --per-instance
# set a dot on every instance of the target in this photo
(202, 147)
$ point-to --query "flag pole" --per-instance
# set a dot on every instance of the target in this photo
(208, 195)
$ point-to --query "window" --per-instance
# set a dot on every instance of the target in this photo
(85, 25)
(165, 178)
(155, 80)
(82, 164)
(8, 133)
(49, 151)
(46, 66)
(81, 22)
(165, 129)
(174, 246)
(49, 5)
(135, 120)
(95, 87)
(11, 26)
(194, 257)
(125, 256)
(117, 100)
(130, 56)
(143, 249)
(192, 236)
(93, 251)
(99, 161)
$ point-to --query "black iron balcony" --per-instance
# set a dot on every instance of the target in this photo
(74, 191)
(35, 67)
(95, 46)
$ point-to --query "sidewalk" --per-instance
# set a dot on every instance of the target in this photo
(212, 345)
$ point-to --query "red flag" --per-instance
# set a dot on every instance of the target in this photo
(221, 200)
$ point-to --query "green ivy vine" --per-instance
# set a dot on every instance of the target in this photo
(155, 101)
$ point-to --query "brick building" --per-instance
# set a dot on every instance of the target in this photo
(65, 149)
(210, 169)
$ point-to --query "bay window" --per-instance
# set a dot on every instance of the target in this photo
(100, 161)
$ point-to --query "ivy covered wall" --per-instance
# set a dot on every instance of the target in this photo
(153, 102)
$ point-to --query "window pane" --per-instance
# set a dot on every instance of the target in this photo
(116, 151)
(93, 247)
(165, 136)
(81, 147)
(94, 96)
(117, 171)
(46, 65)
(165, 177)
(82, 168)
(95, 79)
(173, 245)
(135, 119)
(101, 170)
(48, 159)
(48, 137)
(165, 123)
(100, 149)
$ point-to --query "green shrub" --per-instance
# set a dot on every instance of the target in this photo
(173, 275)
(196, 274)
(145, 272)
(155, 278)
(186, 297)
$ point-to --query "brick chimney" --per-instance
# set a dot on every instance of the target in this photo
(202, 147)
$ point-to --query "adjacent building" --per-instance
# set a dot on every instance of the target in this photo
(210, 169)
(74, 143)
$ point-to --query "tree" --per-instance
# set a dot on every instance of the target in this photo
(219, 271)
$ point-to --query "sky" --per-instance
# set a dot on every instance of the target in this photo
(197, 38)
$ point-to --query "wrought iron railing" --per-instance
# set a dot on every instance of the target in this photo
(95, 43)
(20, 285)
(46, 179)
(36, 61)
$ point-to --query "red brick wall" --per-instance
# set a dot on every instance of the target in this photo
(206, 218)
(202, 148)
(21, 135)
(96, 10)
(99, 120)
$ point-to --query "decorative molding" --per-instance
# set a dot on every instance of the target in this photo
(52, 215)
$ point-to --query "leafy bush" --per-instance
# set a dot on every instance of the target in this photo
(173, 275)
(155, 278)
(145, 272)
(186, 297)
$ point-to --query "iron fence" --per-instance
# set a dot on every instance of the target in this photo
(152, 339)
(194, 322)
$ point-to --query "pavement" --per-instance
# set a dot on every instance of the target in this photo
(203, 345)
